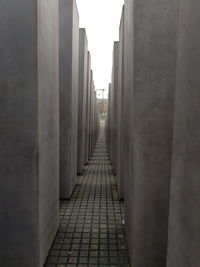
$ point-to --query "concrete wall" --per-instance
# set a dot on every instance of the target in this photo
(91, 127)
(48, 96)
(88, 109)
(69, 50)
(150, 68)
(92, 119)
(95, 119)
(114, 104)
(90, 114)
(184, 235)
(126, 133)
(120, 112)
(29, 130)
(83, 43)
(109, 124)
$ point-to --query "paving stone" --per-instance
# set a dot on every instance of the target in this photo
(91, 227)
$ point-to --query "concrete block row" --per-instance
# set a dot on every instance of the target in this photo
(92, 118)
(152, 132)
(87, 105)
(44, 75)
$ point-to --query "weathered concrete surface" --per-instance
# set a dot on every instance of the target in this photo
(93, 136)
(184, 235)
(93, 123)
(92, 119)
(150, 69)
(107, 124)
(90, 113)
(126, 122)
(95, 119)
(120, 112)
(83, 44)
(48, 96)
(88, 109)
(109, 119)
(29, 131)
(69, 50)
(114, 105)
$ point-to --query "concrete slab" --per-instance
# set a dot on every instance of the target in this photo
(90, 114)
(95, 118)
(150, 68)
(120, 112)
(184, 235)
(83, 44)
(126, 136)
(69, 50)
(93, 139)
(29, 147)
(109, 119)
(88, 109)
(114, 105)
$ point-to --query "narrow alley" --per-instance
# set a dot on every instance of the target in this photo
(91, 231)
(99, 133)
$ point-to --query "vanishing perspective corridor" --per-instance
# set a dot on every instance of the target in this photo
(99, 133)
(91, 231)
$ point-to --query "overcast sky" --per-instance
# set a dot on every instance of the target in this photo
(101, 19)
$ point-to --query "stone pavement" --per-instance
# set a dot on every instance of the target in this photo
(91, 231)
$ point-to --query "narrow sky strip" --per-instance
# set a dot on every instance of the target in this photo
(101, 19)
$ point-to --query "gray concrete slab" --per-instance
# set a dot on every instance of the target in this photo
(95, 113)
(184, 235)
(29, 131)
(88, 109)
(96, 117)
(127, 102)
(90, 114)
(83, 45)
(120, 112)
(114, 105)
(69, 50)
(109, 119)
(150, 67)
(93, 118)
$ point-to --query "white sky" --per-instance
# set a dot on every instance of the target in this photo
(101, 18)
